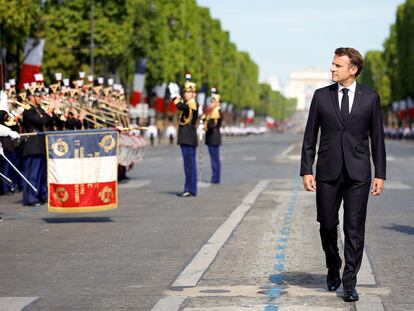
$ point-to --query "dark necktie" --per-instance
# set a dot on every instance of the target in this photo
(345, 105)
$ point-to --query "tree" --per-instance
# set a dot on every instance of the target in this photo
(375, 76)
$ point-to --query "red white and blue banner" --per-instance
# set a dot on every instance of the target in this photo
(82, 171)
(33, 55)
(139, 82)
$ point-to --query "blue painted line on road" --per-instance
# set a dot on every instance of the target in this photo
(277, 279)
(279, 267)
(274, 292)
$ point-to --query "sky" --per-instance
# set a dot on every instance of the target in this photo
(282, 36)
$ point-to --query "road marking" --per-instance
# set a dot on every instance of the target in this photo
(257, 308)
(287, 150)
(249, 158)
(202, 184)
(134, 184)
(365, 277)
(169, 303)
(192, 273)
(190, 276)
(15, 303)
(275, 291)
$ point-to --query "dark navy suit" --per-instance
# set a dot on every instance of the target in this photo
(343, 170)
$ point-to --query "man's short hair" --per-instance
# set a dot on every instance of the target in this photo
(354, 56)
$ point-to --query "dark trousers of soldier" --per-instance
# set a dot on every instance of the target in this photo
(8, 171)
(328, 200)
(190, 168)
(34, 169)
(215, 163)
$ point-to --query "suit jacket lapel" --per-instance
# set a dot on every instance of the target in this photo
(356, 104)
(335, 102)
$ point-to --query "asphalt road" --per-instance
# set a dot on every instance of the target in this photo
(125, 259)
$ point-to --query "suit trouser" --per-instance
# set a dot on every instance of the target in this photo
(328, 200)
(190, 168)
(215, 163)
(34, 169)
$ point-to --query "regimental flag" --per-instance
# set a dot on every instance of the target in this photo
(82, 171)
(33, 54)
(139, 82)
(159, 91)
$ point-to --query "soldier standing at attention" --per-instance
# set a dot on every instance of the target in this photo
(187, 134)
(212, 124)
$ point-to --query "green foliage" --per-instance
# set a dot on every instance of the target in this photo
(274, 104)
(174, 36)
(375, 75)
(391, 72)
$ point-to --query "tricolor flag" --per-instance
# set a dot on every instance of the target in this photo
(159, 91)
(139, 82)
(82, 171)
(33, 54)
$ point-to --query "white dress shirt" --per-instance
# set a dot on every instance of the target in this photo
(351, 94)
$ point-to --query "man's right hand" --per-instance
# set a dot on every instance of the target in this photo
(309, 183)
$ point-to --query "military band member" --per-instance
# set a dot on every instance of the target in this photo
(9, 140)
(35, 120)
(212, 124)
(187, 135)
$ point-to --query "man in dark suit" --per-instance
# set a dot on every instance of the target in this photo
(349, 116)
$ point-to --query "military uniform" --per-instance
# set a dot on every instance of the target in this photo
(10, 152)
(212, 124)
(187, 138)
(35, 120)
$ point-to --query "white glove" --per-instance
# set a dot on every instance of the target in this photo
(14, 135)
(174, 90)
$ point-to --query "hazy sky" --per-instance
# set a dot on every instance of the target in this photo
(282, 36)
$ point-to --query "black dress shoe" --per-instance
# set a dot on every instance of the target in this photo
(350, 294)
(333, 280)
(185, 194)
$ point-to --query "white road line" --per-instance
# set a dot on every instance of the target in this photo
(249, 158)
(170, 303)
(365, 277)
(192, 273)
(15, 303)
(287, 150)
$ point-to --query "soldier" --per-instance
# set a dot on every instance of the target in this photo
(212, 124)
(8, 127)
(187, 133)
(35, 120)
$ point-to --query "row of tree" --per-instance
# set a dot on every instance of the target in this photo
(174, 36)
(391, 71)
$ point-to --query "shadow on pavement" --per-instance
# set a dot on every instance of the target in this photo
(302, 279)
(76, 219)
(401, 228)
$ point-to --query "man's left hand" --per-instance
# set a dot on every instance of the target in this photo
(377, 186)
